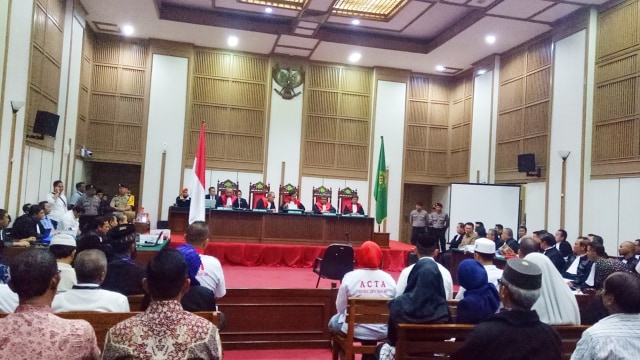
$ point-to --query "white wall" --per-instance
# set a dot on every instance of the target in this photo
(285, 136)
(15, 88)
(308, 183)
(566, 131)
(37, 179)
(389, 120)
(535, 206)
(165, 130)
(481, 128)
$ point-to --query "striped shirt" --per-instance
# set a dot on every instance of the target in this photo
(614, 337)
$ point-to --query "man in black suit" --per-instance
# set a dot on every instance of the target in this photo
(455, 241)
(212, 194)
(507, 236)
(548, 247)
(562, 245)
(28, 226)
(240, 202)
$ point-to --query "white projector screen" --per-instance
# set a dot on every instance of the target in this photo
(491, 204)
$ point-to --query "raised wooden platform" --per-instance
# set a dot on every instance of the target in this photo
(278, 228)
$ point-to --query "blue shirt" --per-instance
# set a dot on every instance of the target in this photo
(614, 337)
(48, 226)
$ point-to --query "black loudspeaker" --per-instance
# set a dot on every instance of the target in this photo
(46, 123)
(526, 163)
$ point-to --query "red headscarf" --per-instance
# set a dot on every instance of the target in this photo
(369, 255)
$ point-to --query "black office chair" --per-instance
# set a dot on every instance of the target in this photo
(336, 261)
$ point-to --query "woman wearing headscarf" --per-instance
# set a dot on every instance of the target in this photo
(556, 305)
(481, 299)
(368, 281)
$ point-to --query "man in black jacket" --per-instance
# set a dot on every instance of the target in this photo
(516, 332)
(28, 226)
(562, 245)
(123, 274)
(548, 247)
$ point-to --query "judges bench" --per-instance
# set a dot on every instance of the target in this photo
(278, 228)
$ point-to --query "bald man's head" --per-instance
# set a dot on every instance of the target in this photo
(527, 246)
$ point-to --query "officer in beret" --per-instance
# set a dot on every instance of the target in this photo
(123, 274)
(516, 332)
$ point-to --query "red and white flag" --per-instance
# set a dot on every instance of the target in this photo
(196, 211)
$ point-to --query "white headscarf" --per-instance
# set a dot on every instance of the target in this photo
(557, 305)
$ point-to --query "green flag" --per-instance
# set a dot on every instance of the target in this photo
(380, 190)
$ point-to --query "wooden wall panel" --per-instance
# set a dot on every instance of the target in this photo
(616, 120)
(336, 121)
(523, 109)
(86, 81)
(117, 96)
(45, 62)
(229, 93)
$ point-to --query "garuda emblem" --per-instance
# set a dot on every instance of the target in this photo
(289, 80)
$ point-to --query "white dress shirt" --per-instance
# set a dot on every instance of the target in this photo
(58, 206)
(446, 279)
(8, 299)
(614, 337)
(89, 297)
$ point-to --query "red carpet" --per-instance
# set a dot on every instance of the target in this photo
(296, 256)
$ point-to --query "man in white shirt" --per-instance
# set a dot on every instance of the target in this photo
(484, 253)
(58, 201)
(91, 268)
(426, 250)
(616, 336)
(70, 221)
(63, 247)
(210, 274)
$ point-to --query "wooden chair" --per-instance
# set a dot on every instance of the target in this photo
(422, 341)
(453, 309)
(257, 191)
(225, 184)
(321, 191)
(103, 321)
(283, 194)
(360, 311)
(569, 335)
(344, 198)
(135, 302)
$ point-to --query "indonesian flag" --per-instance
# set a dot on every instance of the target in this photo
(196, 210)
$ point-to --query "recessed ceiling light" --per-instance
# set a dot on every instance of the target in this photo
(355, 57)
(232, 41)
(127, 30)
(490, 39)
(439, 67)
(268, 10)
(355, 22)
(482, 72)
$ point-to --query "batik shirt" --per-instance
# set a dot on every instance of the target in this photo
(33, 332)
(165, 331)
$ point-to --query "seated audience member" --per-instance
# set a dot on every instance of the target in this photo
(556, 305)
(499, 229)
(227, 199)
(603, 266)
(58, 202)
(323, 206)
(212, 194)
(6, 239)
(113, 220)
(457, 238)
(627, 255)
(33, 332)
(183, 200)
(28, 227)
(481, 298)
(70, 221)
(164, 330)
(240, 202)
(123, 274)
(90, 202)
(616, 336)
(46, 221)
(562, 245)
(198, 298)
(492, 235)
(484, 253)
(96, 237)
(426, 250)
(579, 269)
(210, 274)
(507, 236)
(63, 247)
(517, 332)
(527, 246)
(8, 299)
(481, 230)
(469, 237)
(91, 268)
(637, 251)
(355, 208)
(123, 202)
(368, 281)
(267, 203)
(548, 247)
(293, 203)
(522, 232)
(121, 219)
